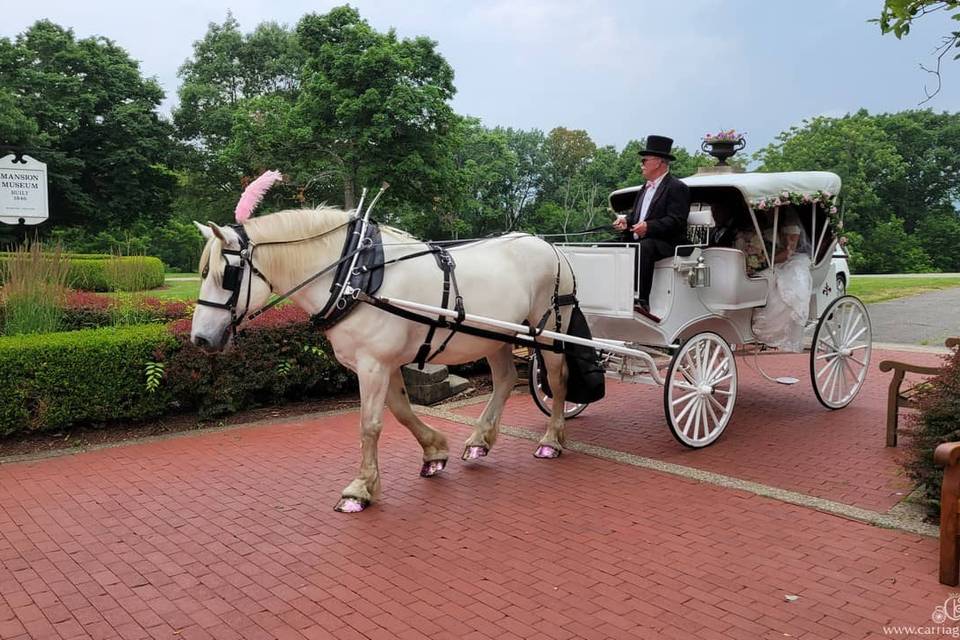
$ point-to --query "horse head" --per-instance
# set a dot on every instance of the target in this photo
(230, 286)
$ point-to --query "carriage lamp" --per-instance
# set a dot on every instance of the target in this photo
(699, 275)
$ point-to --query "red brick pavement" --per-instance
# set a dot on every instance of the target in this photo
(231, 535)
(778, 435)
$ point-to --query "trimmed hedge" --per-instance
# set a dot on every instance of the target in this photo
(106, 273)
(54, 380)
(51, 381)
(65, 254)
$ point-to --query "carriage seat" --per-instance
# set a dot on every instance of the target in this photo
(730, 286)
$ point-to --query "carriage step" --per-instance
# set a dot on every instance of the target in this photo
(632, 369)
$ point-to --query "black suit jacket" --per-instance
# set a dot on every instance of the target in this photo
(667, 215)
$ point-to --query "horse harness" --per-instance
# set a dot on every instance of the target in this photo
(359, 275)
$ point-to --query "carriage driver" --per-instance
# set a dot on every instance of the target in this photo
(658, 218)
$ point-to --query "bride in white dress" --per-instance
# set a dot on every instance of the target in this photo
(781, 322)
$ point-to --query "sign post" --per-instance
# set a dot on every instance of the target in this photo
(23, 190)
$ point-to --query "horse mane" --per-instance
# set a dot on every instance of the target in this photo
(295, 224)
(317, 229)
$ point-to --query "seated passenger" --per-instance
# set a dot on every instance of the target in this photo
(658, 219)
(780, 323)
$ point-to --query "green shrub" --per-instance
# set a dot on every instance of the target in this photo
(54, 380)
(281, 356)
(111, 273)
(176, 242)
(51, 381)
(133, 273)
(938, 421)
(67, 254)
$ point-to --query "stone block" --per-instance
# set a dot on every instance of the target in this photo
(433, 393)
(431, 374)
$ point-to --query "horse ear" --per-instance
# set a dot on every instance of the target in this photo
(217, 231)
(204, 230)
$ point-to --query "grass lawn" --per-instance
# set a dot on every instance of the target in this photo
(185, 290)
(878, 289)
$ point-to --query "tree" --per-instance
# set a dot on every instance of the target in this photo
(378, 106)
(897, 16)
(890, 249)
(85, 110)
(939, 235)
(566, 152)
(854, 147)
(229, 82)
(931, 178)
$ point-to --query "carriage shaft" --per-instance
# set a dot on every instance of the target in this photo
(522, 332)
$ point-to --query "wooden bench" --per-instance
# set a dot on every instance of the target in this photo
(898, 398)
(947, 455)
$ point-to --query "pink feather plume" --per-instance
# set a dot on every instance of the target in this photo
(254, 193)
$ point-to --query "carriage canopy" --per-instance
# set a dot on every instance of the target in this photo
(757, 190)
(744, 201)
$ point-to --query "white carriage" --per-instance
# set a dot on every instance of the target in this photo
(703, 301)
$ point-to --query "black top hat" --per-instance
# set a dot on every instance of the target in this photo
(658, 146)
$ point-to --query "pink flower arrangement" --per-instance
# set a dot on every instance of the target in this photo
(729, 135)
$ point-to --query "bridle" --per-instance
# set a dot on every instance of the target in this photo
(232, 278)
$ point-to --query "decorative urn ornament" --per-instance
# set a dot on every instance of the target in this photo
(723, 145)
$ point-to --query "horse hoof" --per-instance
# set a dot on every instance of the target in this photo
(546, 451)
(432, 468)
(351, 505)
(474, 452)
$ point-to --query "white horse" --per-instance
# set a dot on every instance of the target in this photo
(508, 278)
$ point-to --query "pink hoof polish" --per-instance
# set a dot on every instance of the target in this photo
(475, 452)
(351, 505)
(432, 468)
(546, 451)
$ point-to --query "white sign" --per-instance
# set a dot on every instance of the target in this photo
(23, 191)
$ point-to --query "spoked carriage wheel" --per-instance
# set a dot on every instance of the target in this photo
(700, 390)
(840, 353)
(545, 402)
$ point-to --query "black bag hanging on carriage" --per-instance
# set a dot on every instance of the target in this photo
(585, 375)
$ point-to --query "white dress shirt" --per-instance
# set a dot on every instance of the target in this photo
(650, 190)
(648, 193)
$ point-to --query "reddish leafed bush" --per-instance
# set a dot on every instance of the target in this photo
(938, 421)
(88, 300)
(286, 315)
(88, 310)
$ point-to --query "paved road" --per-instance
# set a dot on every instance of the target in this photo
(926, 318)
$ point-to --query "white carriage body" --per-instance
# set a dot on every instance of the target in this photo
(607, 273)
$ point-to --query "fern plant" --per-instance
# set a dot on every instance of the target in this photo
(154, 371)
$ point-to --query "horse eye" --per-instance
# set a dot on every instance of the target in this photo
(206, 270)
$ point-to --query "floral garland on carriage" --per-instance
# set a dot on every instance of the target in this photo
(753, 248)
(825, 199)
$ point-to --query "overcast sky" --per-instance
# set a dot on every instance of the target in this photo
(619, 69)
